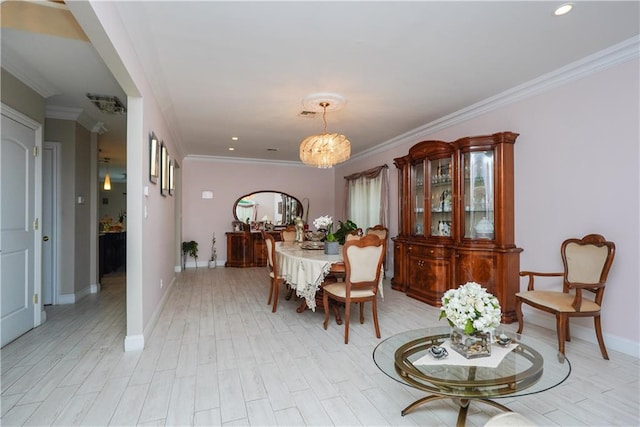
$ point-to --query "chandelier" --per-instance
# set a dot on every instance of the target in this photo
(326, 149)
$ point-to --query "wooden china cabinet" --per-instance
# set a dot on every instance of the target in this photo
(456, 219)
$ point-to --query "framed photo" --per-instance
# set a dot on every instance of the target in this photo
(237, 225)
(257, 225)
(164, 169)
(172, 184)
(154, 158)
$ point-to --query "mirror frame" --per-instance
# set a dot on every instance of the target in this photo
(299, 211)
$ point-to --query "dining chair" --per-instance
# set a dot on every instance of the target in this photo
(272, 265)
(586, 265)
(383, 233)
(363, 261)
(289, 234)
(353, 235)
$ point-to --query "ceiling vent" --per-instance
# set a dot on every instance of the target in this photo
(305, 113)
(108, 104)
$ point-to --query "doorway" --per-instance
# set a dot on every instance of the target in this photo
(50, 222)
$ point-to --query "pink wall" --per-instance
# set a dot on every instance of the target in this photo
(577, 163)
(230, 180)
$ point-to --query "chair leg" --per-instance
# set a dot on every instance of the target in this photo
(598, 326)
(347, 313)
(270, 292)
(325, 303)
(276, 286)
(374, 308)
(361, 313)
(567, 334)
(519, 315)
(561, 327)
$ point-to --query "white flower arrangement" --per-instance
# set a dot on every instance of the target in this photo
(326, 223)
(323, 222)
(471, 308)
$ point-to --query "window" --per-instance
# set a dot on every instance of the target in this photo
(367, 196)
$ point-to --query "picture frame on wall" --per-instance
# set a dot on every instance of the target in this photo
(164, 169)
(172, 184)
(154, 158)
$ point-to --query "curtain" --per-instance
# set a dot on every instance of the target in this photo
(367, 197)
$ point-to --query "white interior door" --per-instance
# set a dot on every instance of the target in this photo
(17, 215)
(49, 221)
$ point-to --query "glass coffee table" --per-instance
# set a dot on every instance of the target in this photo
(529, 366)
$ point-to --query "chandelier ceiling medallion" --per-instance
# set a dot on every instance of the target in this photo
(326, 149)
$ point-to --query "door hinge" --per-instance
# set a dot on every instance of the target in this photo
(35, 298)
(35, 224)
(35, 151)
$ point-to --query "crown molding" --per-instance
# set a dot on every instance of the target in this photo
(607, 58)
(221, 159)
(62, 113)
(13, 63)
(74, 115)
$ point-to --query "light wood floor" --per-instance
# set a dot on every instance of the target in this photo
(218, 356)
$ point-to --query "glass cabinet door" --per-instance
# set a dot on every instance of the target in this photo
(440, 176)
(478, 195)
(418, 202)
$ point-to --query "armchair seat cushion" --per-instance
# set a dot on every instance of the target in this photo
(339, 290)
(558, 301)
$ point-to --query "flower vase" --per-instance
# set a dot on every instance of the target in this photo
(331, 248)
(471, 346)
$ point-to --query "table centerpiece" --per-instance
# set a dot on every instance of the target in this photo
(473, 314)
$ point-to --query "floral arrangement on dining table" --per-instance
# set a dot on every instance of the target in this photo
(473, 313)
(325, 223)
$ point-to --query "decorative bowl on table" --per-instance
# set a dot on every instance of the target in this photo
(438, 352)
(314, 236)
(312, 245)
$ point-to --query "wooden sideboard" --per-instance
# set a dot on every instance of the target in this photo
(247, 249)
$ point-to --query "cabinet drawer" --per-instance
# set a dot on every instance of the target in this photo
(429, 251)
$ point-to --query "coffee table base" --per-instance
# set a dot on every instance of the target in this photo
(463, 403)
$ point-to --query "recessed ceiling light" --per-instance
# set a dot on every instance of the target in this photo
(234, 138)
(564, 9)
(231, 148)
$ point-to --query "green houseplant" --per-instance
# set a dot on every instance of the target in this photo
(344, 229)
(189, 249)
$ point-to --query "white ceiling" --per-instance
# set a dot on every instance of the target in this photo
(224, 69)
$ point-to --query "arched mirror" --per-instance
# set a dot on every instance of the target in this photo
(275, 206)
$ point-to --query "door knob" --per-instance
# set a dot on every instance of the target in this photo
(45, 238)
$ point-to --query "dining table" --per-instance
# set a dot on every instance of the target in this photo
(304, 266)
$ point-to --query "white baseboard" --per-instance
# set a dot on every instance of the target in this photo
(613, 342)
(203, 264)
(95, 288)
(156, 313)
(75, 297)
(177, 268)
(134, 342)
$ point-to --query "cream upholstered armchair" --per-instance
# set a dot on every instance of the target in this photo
(274, 276)
(586, 265)
(363, 261)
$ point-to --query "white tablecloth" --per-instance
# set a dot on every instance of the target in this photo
(305, 269)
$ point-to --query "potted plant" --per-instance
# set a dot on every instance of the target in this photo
(189, 249)
(214, 255)
(473, 314)
(344, 229)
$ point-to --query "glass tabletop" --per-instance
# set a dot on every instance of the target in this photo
(531, 366)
